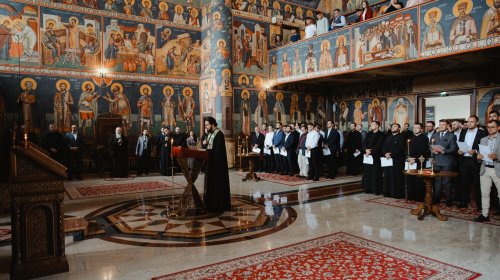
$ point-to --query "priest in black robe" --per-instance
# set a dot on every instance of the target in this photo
(419, 146)
(119, 154)
(372, 173)
(394, 148)
(217, 191)
(353, 145)
(165, 146)
(53, 143)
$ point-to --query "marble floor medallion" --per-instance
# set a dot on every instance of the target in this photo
(151, 222)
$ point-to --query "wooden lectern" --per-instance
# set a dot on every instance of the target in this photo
(37, 191)
(190, 203)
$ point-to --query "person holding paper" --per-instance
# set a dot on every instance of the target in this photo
(468, 164)
(289, 147)
(257, 143)
(490, 168)
(315, 153)
(278, 137)
(419, 146)
(268, 150)
(295, 130)
(332, 142)
(301, 153)
(354, 147)
(394, 148)
(372, 173)
(444, 150)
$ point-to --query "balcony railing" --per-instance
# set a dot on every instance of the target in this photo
(431, 30)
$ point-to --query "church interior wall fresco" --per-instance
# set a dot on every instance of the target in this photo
(431, 30)
(150, 50)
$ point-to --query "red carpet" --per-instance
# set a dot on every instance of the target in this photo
(5, 234)
(290, 180)
(79, 192)
(468, 214)
(336, 256)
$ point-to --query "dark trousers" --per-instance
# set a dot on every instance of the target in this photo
(269, 161)
(469, 177)
(332, 162)
(277, 163)
(258, 163)
(315, 164)
(292, 161)
(144, 163)
(442, 184)
(165, 163)
(75, 164)
(285, 165)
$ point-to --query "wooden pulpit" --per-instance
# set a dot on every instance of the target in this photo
(190, 203)
(36, 186)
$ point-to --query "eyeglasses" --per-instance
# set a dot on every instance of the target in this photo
(492, 127)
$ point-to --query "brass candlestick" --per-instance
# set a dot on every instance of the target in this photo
(422, 160)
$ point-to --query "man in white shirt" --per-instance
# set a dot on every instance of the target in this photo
(301, 150)
(468, 164)
(338, 20)
(310, 29)
(268, 143)
(429, 129)
(314, 153)
(321, 24)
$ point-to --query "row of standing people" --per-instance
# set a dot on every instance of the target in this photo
(441, 146)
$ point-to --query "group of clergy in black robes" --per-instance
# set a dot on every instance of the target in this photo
(390, 180)
(66, 149)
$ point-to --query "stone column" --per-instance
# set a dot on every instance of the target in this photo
(222, 69)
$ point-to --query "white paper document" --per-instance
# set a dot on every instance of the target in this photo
(428, 163)
(283, 152)
(368, 159)
(485, 151)
(256, 150)
(308, 154)
(267, 151)
(356, 154)
(437, 147)
(462, 146)
(276, 151)
(326, 152)
(411, 166)
(384, 162)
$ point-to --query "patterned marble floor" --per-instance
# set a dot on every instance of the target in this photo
(319, 211)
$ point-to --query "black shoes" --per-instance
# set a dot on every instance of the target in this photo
(481, 219)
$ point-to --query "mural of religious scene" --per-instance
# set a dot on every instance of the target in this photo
(255, 107)
(179, 52)
(386, 40)
(489, 100)
(250, 45)
(206, 44)
(67, 101)
(129, 46)
(19, 34)
(463, 24)
(70, 40)
(319, 56)
(400, 110)
(283, 11)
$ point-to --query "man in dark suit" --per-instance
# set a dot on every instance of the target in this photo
(468, 164)
(278, 137)
(53, 142)
(290, 150)
(165, 144)
(332, 142)
(294, 129)
(74, 142)
(445, 159)
(257, 141)
(419, 146)
(429, 129)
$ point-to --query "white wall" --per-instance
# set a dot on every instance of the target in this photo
(450, 107)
